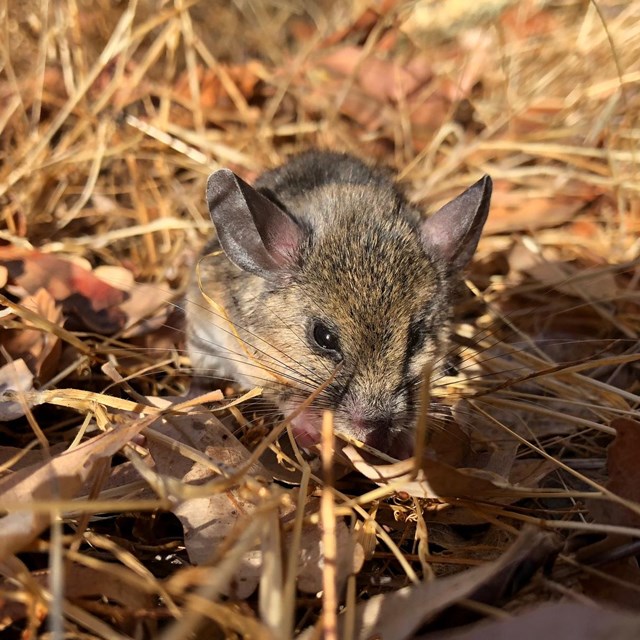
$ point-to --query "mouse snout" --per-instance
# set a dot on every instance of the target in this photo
(380, 424)
(381, 433)
(374, 431)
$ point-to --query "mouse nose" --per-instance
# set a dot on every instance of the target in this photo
(374, 425)
(372, 429)
(375, 432)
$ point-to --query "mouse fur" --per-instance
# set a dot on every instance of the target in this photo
(323, 268)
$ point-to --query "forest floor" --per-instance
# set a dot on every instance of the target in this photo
(132, 509)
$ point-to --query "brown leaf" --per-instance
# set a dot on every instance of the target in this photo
(146, 309)
(624, 475)
(91, 303)
(39, 349)
(83, 582)
(566, 620)
(57, 479)
(363, 23)
(379, 79)
(14, 377)
(215, 85)
(25, 458)
(349, 557)
(452, 468)
(531, 214)
(398, 614)
(207, 522)
(622, 590)
(435, 479)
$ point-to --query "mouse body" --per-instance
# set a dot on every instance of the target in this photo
(323, 271)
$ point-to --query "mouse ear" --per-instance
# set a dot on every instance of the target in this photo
(255, 233)
(454, 230)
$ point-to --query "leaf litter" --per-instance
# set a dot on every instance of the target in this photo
(194, 513)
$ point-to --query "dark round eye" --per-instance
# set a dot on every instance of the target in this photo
(417, 335)
(325, 338)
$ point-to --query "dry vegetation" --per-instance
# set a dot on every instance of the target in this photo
(132, 512)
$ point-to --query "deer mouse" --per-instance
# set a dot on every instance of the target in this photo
(324, 269)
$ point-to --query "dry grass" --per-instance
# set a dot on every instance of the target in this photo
(113, 114)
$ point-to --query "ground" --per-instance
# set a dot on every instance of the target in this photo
(135, 507)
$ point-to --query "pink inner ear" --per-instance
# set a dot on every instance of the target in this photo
(282, 240)
(280, 235)
(454, 230)
(438, 237)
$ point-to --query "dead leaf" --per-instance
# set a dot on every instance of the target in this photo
(349, 556)
(207, 522)
(379, 79)
(57, 479)
(453, 468)
(435, 480)
(624, 475)
(216, 87)
(622, 590)
(15, 377)
(566, 620)
(14, 458)
(88, 301)
(398, 614)
(39, 349)
(146, 309)
(82, 582)
(531, 214)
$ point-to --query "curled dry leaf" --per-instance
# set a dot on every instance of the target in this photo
(104, 300)
(39, 349)
(15, 377)
(435, 480)
(380, 79)
(452, 468)
(349, 557)
(531, 214)
(87, 300)
(16, 458)
(81, 582)
(207, 522)
(219, 87)
(59, 478)
(375, 86)
(146, 309)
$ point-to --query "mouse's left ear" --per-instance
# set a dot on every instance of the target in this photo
(256, 234)
(454, 230)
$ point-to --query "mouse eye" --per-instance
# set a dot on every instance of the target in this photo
(325, 338)
(417, 335)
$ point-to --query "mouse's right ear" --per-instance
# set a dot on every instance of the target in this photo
(255, 233)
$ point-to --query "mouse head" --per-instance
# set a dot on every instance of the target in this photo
(353, 286)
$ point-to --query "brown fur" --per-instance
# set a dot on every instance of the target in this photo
(363, 271)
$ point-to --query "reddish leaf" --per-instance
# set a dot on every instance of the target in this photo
(90, 302)
(39, 349)
(624, 475)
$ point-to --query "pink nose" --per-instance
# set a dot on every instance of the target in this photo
(367, 426)
(377, 433)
